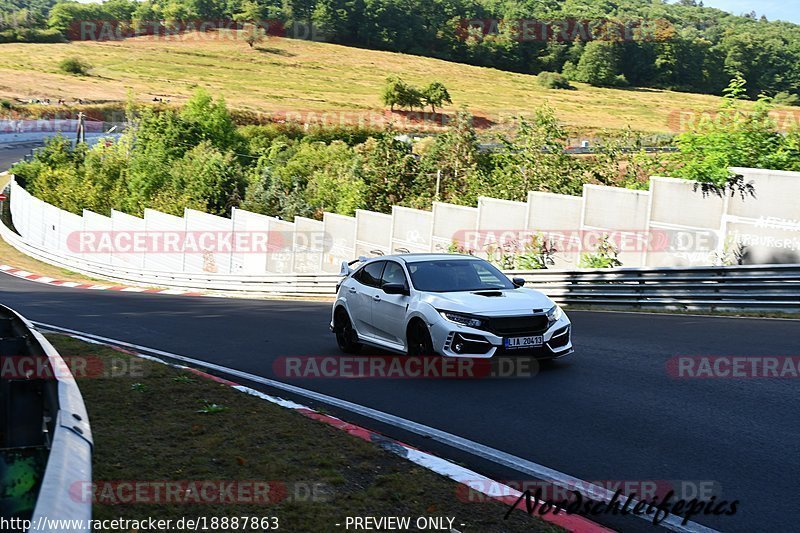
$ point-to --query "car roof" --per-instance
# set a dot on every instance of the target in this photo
(415, 258)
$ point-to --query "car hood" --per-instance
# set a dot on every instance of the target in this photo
(489, 303)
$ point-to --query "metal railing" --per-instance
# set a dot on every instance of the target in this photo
(45, 422)
(753, 287)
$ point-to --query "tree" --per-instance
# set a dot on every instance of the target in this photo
(411, 98)
(599, 65)
(455, 157)
(392, 91)
(397, 92)
(436, 94)
(213, 120)
(253, 35)
(389, 170)
(535, 160)
(735, 138)
(207, 178)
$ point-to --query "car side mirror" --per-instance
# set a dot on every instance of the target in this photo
(518, 282)
(395, 288)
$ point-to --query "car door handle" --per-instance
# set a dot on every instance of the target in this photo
(352, 290)
(377, 297)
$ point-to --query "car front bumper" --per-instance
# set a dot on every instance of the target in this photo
(453, 340)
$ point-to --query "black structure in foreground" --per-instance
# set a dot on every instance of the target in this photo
(45, 438)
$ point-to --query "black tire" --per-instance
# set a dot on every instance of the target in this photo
(419, 340)
(346, 336)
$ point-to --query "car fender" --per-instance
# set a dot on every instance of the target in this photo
(341, 301)
(425, 311)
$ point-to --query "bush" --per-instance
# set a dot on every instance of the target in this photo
(31, 35)
(786, 98)
(553, 80)
(605, 256)
(75, 65)
(619, 81)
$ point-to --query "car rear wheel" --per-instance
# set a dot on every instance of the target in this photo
(419, 340)
(346, 336)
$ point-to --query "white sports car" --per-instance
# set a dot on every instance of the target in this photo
(452, 305)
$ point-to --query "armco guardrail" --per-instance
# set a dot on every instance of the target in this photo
(762, 287)
(45, 438)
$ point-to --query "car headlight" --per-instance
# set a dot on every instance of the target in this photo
(464, 320)
(554, 314)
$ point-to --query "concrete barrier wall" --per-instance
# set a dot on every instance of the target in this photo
(97, 224)
(412, 230)
(501, 224)
(68, 227)
(309, 245)
(280, 243)
(204, 256)
(685, 224)
(162, 222)
(125, 223)
(672, 224)
(451, 225)
(373, 233)
(340, 234)
(767, 226)
(622, 215)
(558, 218)
(252, 225)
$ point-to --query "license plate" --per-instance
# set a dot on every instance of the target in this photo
(512, 343)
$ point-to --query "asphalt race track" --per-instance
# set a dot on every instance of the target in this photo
(610, 412)
(11, 153)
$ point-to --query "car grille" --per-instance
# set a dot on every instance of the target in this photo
(517, 325)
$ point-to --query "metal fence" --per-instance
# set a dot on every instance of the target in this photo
(762, 287)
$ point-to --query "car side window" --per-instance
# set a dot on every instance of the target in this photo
(370, 275)
(393, 273)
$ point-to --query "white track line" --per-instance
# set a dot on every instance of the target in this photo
(494, 455)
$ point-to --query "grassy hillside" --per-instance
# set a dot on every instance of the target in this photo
(285, 75)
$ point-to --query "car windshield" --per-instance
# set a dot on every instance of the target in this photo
(457, 275)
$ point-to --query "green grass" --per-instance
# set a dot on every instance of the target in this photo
(302, 76)
(157, 425)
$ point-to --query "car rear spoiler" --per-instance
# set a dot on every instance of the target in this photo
(346, 269)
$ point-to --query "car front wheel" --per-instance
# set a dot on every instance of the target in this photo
(419, 340)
